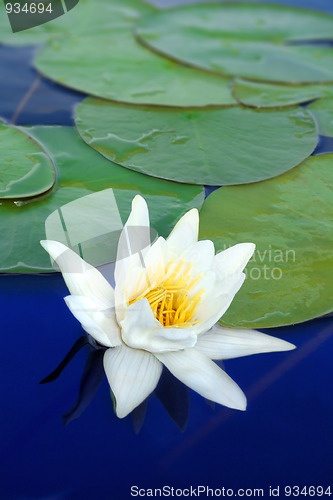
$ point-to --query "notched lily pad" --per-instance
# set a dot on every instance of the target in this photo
(213, 146)
(128, 72)
(25, 169)
(252, 40)
(82, 171)
(289, 218)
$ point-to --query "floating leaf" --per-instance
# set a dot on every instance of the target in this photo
(289, 218)
(323, 112)
(128, 72)
(213, 147)
(267, 95)
(83, 20)
(81, 171)
(25, 169)
(244, 39)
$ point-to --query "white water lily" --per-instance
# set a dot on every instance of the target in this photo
(164, 309)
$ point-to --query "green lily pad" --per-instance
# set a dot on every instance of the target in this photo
(217, 146)
(323, 112)
(116, 67)
(25, 169)
(82, 171)
(249, 40)
(268, 95)
(289, 218)
(85, 19)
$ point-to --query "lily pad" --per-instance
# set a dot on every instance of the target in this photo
(82, 171)
(289, 218)
(250, 40)
(323, 112)
(25, 169)
(116, 67)
(85, 19)
(217, 146)
(268, 95)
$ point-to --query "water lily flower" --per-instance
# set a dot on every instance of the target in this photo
(164, 309)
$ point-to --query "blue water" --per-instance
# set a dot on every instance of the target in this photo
(46, 104)
(324, 5)
(283, 439)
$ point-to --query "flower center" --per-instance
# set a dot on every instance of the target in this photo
(170, 301)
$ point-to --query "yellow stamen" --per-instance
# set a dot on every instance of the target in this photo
(170, 301)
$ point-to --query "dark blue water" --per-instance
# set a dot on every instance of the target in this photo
(324, 5)
(28, 99)
(283, 439)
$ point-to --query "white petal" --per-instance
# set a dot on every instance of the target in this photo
(139, 215)
(233, 259)
(81, 278)
(132, 376)
(226, 343)
(184, 234)
(203, 376)
(141, 330)
(205, 284)
(149, 272)
(100, 324)
(133, 239)
(229, 280)
(140, 275)
(216, 302)
(201, 255)
(155, 260)
(120, 304)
